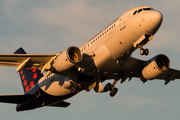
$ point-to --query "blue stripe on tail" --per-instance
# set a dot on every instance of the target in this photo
(29, 77)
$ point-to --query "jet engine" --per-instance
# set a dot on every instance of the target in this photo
(156, 67)
(68, 59)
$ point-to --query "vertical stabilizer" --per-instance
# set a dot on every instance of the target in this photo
(29, 76)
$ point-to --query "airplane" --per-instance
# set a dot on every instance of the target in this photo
(50, 79)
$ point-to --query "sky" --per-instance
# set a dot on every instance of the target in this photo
(51, 26)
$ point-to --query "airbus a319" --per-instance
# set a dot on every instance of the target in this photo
(49, 79)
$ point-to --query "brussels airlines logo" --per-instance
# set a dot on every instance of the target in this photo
(52, 79)
(29, 77)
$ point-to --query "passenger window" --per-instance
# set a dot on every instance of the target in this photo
(129, 15)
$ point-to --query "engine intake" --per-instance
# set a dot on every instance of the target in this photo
(157, 66)
(68, 59)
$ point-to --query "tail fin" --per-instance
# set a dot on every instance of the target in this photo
(29, 77)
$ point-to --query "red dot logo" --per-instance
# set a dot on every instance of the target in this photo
(25, 82)
(31, 84)
(23, 76)
(27, 88)
(21, 72)
(33, 70)
(34, 75)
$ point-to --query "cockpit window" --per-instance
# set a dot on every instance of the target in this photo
(147, 9)
(139, 10)
(135, 12)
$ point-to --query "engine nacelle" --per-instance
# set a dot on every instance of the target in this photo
(157, 66)
(68, 59)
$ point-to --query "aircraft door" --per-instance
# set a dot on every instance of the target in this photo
(122, 23)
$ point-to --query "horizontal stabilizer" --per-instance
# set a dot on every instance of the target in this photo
(60, 104)
(15, 99)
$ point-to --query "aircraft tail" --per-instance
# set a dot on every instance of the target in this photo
(29, 76)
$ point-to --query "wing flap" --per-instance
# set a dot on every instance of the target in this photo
(35, 58)
(15, 99)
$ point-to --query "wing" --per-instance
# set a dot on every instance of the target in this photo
(26, 60)
(52, 63)
(155, 68)
(170, 75)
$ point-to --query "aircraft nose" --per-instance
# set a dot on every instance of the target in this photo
(156, 19)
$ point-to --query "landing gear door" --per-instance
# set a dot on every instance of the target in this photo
(98, 88)
(122, 23)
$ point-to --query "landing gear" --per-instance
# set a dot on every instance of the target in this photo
(75, 88)
(111, 88)
(80, 86)
(143, 40)
(108, 87)
(113, 92)
(144, 51)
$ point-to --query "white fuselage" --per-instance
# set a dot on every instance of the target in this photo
(115, 43)
(112, 48)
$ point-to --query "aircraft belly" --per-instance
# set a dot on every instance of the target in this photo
(56, 85)
(101, 61)
(103, 56)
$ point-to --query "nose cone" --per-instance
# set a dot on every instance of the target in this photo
(156, 19)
